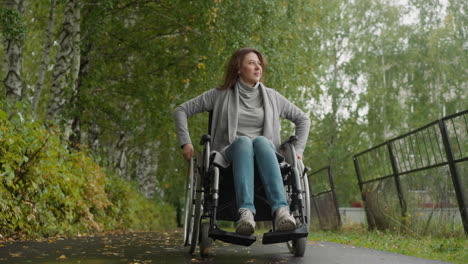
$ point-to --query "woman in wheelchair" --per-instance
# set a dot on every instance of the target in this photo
(245, 131)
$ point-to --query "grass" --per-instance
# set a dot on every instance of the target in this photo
(452, 249)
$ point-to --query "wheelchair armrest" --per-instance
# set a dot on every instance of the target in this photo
(291, 140)
(205, 138)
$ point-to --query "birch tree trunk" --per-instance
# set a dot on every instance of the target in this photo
(63, 65)
(75, 136)
(145, 172)
(76, 47)
(45, 58)
(74, 124)
(93, 136)
(13, 57)
(121, 149)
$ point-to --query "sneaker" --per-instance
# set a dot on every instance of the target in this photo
(284, 221)
(246, 224)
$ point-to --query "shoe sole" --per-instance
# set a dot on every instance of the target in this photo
(286, 225)
(245, 229)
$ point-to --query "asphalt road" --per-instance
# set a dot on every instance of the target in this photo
(167, 248)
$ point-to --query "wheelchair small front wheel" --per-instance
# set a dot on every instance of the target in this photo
(205, 240)
(297, 246)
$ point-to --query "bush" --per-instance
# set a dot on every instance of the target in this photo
(48, 189)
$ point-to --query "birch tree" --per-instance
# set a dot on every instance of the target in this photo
(146, 169)
(45, 58)
(61, 78)
(121, 149)
(93, 137)
(13, 33)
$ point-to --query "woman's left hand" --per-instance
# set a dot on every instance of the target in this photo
(299, 156)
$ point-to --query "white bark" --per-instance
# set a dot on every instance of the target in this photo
(76, 137)
(45, 57)
(146, 172)
(61, 73)
(75, 71)
(93, 136)
(76, 46)
(13, 58)
(121, 156)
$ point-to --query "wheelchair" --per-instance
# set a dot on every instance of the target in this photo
(210, 197)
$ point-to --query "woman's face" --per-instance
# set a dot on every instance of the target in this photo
(251, 69)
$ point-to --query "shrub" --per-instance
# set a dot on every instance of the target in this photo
(48, 189)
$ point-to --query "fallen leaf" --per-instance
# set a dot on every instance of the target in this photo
(62, 257)
(15, 255)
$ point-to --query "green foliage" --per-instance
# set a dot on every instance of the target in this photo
(47, 189)
(12, 24)
(451, 249)
(131, 210)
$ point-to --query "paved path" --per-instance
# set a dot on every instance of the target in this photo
(166, 248)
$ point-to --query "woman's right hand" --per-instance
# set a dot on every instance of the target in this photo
(187, 151)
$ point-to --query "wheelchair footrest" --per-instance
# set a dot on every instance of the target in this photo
(230, 237)
(280, 237)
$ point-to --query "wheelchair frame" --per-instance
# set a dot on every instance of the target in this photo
(201, 204)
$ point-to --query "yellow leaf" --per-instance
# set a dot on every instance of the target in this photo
(201, 66)
(15, 255)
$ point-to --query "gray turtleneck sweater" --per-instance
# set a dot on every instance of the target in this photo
(225, 104)
(251, 113)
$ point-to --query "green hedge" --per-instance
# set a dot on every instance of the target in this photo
(48, 189)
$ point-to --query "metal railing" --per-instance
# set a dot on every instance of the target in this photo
(422, 174)
(324, 205)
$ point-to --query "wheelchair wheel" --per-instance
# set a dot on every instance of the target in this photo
(205, 240)
(189, 204)
(298, 246)
(197, 214)
(193, 207)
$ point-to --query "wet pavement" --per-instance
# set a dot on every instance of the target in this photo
(166, 247)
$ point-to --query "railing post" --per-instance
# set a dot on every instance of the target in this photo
(332, 187)
(455, 175)
(370, 224)
(396, 176)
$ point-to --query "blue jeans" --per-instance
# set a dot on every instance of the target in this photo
(242, 154)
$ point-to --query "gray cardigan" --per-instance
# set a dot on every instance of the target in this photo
(225, 104)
